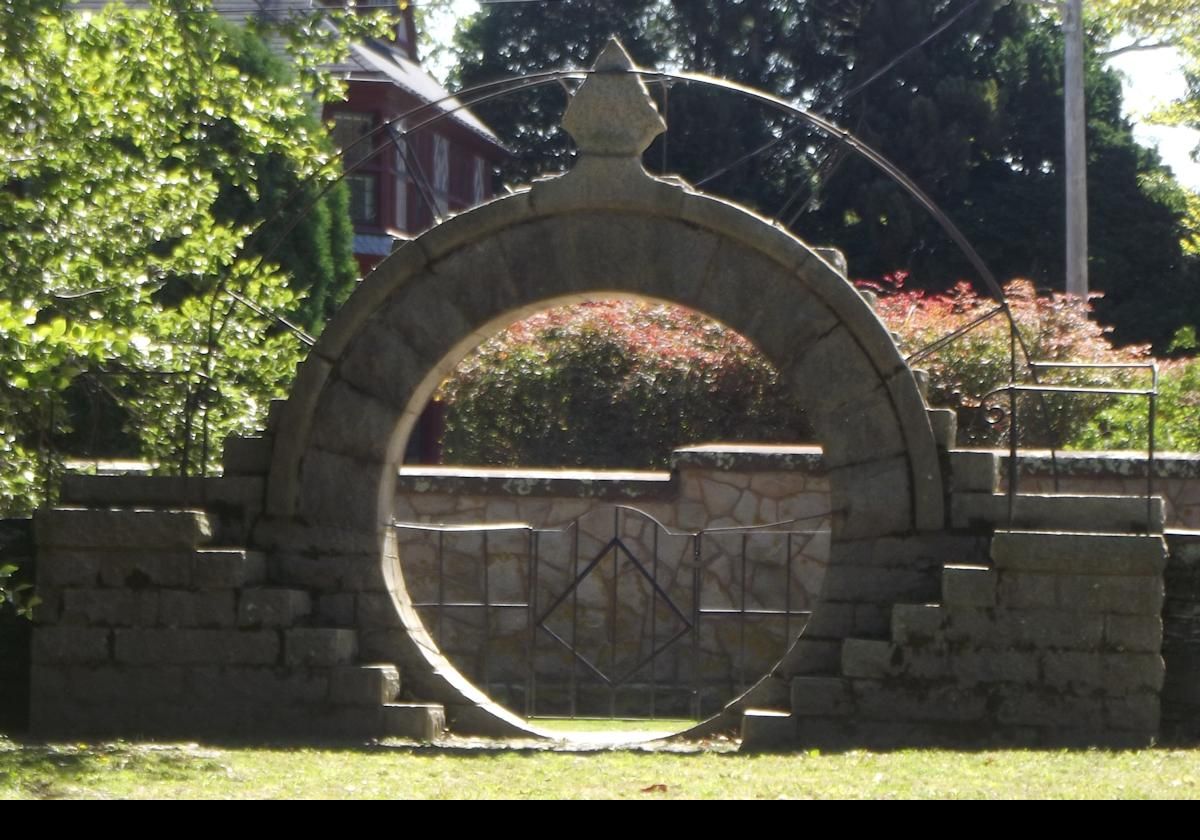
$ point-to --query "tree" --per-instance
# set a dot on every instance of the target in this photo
(1138, 25)
(965, 98)
(124, 257)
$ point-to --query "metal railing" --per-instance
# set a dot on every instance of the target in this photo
(1041, 391)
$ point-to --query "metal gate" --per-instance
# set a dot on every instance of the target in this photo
(614, 614)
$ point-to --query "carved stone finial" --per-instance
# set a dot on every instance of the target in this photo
(612, 114)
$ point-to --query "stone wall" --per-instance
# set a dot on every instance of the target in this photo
(1181, 638)
(1176, 478)
(149, 630)
(631, 604)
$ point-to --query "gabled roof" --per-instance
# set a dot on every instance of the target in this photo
(379, 61)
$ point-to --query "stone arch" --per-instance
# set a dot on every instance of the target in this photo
(606, 228)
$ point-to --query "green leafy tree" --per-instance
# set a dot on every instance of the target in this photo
(126, 132)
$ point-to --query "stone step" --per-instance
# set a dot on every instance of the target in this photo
(273, 607)
(1079, 553)
(968, 586)
(161, 491)
(974, 471)
(319, 647)
(819, 696)
(419, 721)
(945, 427)
(364, 685)
(132, 528)
(767, 729)
(1078, 514)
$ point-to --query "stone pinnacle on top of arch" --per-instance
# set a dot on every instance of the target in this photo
(612, 114)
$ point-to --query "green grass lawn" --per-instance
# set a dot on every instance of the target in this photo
(38, 771)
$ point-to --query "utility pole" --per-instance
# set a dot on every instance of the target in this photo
(1075, 139)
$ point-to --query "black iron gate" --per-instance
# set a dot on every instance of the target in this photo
(614, 614)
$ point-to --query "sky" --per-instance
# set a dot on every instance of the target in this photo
(1150, 78)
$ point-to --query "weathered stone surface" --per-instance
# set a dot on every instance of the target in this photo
(247, 456)
(944, 422)
(260, 607)
(136, 569)
(917, 624)
(969, 586)
(896, 701)
(197, 609)
(227, 568)
(821, 696)
(1139, 712)
(1119, 594)
(1133, 633)
(1021, 590)
(1096, 554)
(115, 529)
(974, 471)
(870, 658)
(1080, 672)
(319, 646)
(764, 729)
(377, 610)
(1133, 672)
(1116, 514)
(364, 685)
(68, 567)
(196, 647)
(419, 721)
(110, 607)
(70, 645)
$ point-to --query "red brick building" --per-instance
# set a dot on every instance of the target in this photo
(401, 184)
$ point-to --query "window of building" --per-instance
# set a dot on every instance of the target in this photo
(441, 172)
(349, 130)
(401, 218)
(478, 190)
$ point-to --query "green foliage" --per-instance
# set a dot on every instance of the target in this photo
(961, 374)
(126, 132)
(1126, 423)
(612, 384)
(16, 594)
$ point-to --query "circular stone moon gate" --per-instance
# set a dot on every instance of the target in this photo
(947, 613)
(605, 229)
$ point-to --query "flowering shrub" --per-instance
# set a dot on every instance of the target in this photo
(612, 384)
(1056, 329)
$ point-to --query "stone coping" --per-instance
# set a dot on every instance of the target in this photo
(1115, 464)
(588, 484)
(638, 484)
(608, 484)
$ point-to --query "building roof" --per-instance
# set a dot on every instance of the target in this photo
(379, 61)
